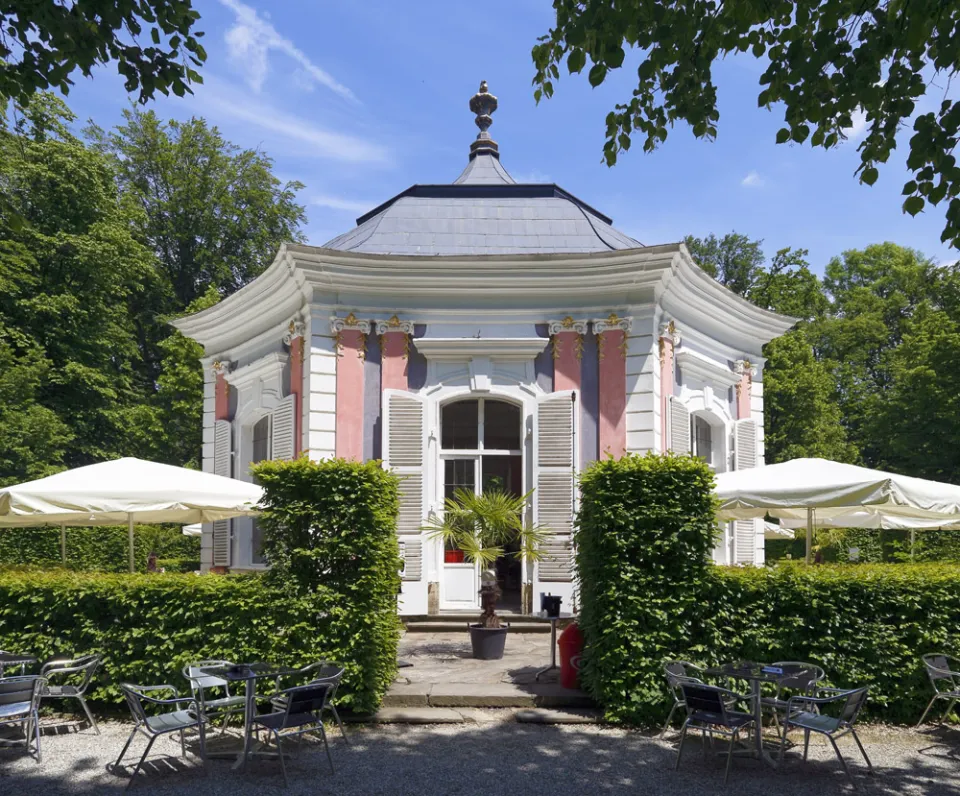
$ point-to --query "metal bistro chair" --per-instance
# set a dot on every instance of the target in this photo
(708, 710)
(799, 677)
(219, 706)
(678, 672)
(162, 724)
(944, 673)
(803, 714)
(81, 669)
(321, 672)
(19, 704)
(302, 713)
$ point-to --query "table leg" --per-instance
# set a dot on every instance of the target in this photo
(762, 753)
(553, 652)
(249, 707)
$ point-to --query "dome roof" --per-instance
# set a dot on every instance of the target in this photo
(484, 211)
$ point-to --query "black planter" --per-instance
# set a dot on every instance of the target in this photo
(488, 642)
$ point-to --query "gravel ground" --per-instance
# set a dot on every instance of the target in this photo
(492, 756)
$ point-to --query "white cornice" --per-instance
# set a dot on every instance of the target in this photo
(264, 369)
(463, 349)
(697, 366)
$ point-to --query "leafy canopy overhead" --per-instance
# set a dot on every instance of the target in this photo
(825, 62)
(152, 42)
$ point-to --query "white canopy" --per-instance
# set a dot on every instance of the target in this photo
(773, 531)
(125, 492)
(836, 495)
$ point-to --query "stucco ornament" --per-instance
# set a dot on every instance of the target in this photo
(294, 329)
(743, 367)
(350, 324)
(394, 324)
(668, 331)
(612, 323)
(222, 366)
(568, 324)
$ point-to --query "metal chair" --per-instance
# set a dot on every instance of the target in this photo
(19, 703)
(321, 672)
(803, 713)
(944, 673)
(163, 723)
(64, 669)
(678, 672)
(219, 706)
(302, 713)
(708, 710)
(800, 677)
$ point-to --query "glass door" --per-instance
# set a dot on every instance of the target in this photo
(460, 580)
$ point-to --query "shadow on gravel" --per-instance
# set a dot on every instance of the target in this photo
(486, 758)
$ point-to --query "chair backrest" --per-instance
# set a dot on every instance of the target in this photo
(89, 664)
(939, 668)
(198, 680)
(25, 688)
(852, 705)
(132, 694)
(307, 698)
(680, 671)
(703, 698)
(799, 676)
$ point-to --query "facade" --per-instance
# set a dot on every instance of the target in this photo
(475, 333)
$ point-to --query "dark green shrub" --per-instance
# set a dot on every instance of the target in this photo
(102, 548)
(330, 527)
(644, 535)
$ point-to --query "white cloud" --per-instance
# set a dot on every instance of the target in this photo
(250, 42)
(322, 143)
(752, 180)
(341, 203)
(859, 126)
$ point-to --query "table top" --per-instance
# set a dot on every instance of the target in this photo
(13, 658)
(543, 615)
(748, 670)
(246, 671)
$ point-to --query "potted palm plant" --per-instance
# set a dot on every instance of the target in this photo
(483, 527)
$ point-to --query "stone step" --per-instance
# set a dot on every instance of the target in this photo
(428, 715)
(455, 626)
(471, 616)
(485, 695)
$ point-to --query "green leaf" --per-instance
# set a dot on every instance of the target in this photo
(597, 74)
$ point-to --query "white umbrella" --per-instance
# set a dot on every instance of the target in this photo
(773, 531)
(126, 491)
(835, 493)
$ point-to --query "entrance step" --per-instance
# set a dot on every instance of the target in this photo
(460, 626)
(477, 716)
(484, 695)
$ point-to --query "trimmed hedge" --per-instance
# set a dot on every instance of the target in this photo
(100, 549)
(649, 594)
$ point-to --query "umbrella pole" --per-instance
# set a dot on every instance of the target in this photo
(913, 539)
(809, 534)
(63, 543)
(130, 540)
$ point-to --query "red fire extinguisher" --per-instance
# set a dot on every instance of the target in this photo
(571, 646)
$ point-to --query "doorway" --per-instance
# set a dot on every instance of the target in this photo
(480, 448)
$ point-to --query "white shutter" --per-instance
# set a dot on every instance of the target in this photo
(403, 442)
(679, 425)
(554, 477)
(745, 457)
(222, 465)
(283, 429)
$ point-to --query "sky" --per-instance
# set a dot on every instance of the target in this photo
(360, 100)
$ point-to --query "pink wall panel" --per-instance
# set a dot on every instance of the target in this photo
(350, 395)
(613, 395)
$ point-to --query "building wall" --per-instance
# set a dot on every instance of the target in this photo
(322, 425)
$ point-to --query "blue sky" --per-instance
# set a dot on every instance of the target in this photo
(360, 100)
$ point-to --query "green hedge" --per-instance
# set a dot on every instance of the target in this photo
(102, 549)
(649, 594)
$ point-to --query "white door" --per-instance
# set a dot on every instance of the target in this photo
(460, 579)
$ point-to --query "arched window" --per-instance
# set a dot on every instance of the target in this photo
(703, 440)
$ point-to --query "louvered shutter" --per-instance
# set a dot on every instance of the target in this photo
(222, 465)
(679, 426)
(403, 442)
(554, 474)
(283, 428)
(745, 457)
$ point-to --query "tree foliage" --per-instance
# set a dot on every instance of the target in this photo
(825, 63)
(43, 43)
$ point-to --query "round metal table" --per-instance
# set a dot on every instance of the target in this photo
(553, 642)
(15, 659)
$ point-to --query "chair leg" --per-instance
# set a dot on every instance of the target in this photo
(683, 734)
(733, 738)
(863, 751)
(146, 751)
(36, 731)
(929, 705)
(183, 745)
(343, 732)
(806, 744)
(666, 724)
(86, 709)
(283, 766)
(946, 713)
(203, 743)
(843, 763)
(323, 734)
(125, 747)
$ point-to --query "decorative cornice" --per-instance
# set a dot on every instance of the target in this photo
(462, 349)
(268, 367)
(394, 324)
(294, 329)
(670, 331)
(744, 366)
(612, 323)
(568, 324)
(350, 323)
(703, 368)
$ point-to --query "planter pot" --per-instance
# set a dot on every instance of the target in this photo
(488, 642)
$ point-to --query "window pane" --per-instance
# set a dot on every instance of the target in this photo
(261, 440)
(501, 426)
(459, 426)
(503, 472)
(703, 434)
(458, 473)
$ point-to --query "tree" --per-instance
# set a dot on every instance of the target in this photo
(43, 43)
(734, 260)
(825, 63)
(212, 213)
